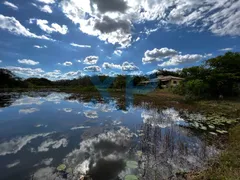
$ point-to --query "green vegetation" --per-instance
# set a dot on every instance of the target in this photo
(227, 166)
(130, 177)
(132, 164)
(61, 167)
(219, 77)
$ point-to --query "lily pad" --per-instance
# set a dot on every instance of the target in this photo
(203, 128)
(141, 135)
(139, 153)
(131, 177)
(211, 126)
(132, 164)
(222, 131)
(69, 170)
(213, 133)
(61, 167)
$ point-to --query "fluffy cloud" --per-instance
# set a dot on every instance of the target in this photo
(11, 5)
(115, 6)
(158, 54)
(28, 111)
(80, 46)
(108, 25)
(107, 65)
(127, 66)
(54, 75)
(28, 62)
(47, 1)
(15, 27)
(57, 74)
(118, 52)
(25, 71)
(40, 47)
(43, 8)
(226, 49)
(91, 60)
(67, 63)
(114, 31)
(46, 9)
(112, 22)
(181, 59)
(54, 27)
(92, 69)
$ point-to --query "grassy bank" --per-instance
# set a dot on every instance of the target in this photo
(227, 165)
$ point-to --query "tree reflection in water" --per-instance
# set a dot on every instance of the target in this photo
(167, 151)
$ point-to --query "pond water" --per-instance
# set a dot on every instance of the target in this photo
(49, 136)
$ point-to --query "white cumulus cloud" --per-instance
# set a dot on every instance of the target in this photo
(92, 69)
(67, 63)
(107, 65)
(158, 54)
(129, 66)
(47, 1)
(181, 59)
(50, 28)
(46, 9)
(28, 62)
(91, 60)
(13, 26)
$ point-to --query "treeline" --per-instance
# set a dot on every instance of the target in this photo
(217, 78)
(9, 80)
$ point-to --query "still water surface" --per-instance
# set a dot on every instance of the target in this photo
(98, 140)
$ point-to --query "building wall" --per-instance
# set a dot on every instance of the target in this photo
(171, 83)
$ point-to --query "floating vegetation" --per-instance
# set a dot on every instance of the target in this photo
(213, 133)
(132, 164)
(69, 171)
(139, 153)
(203, 128)
(221, 131)
(61, 167)
(131, 177)
(211, 122)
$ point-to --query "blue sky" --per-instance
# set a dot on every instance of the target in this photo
(64, 39)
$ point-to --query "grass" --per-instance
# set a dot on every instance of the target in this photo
(227, 165)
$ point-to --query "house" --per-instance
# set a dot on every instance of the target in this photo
(169, 81)
(164, 81)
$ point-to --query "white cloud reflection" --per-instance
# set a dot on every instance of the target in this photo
(16, 144)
